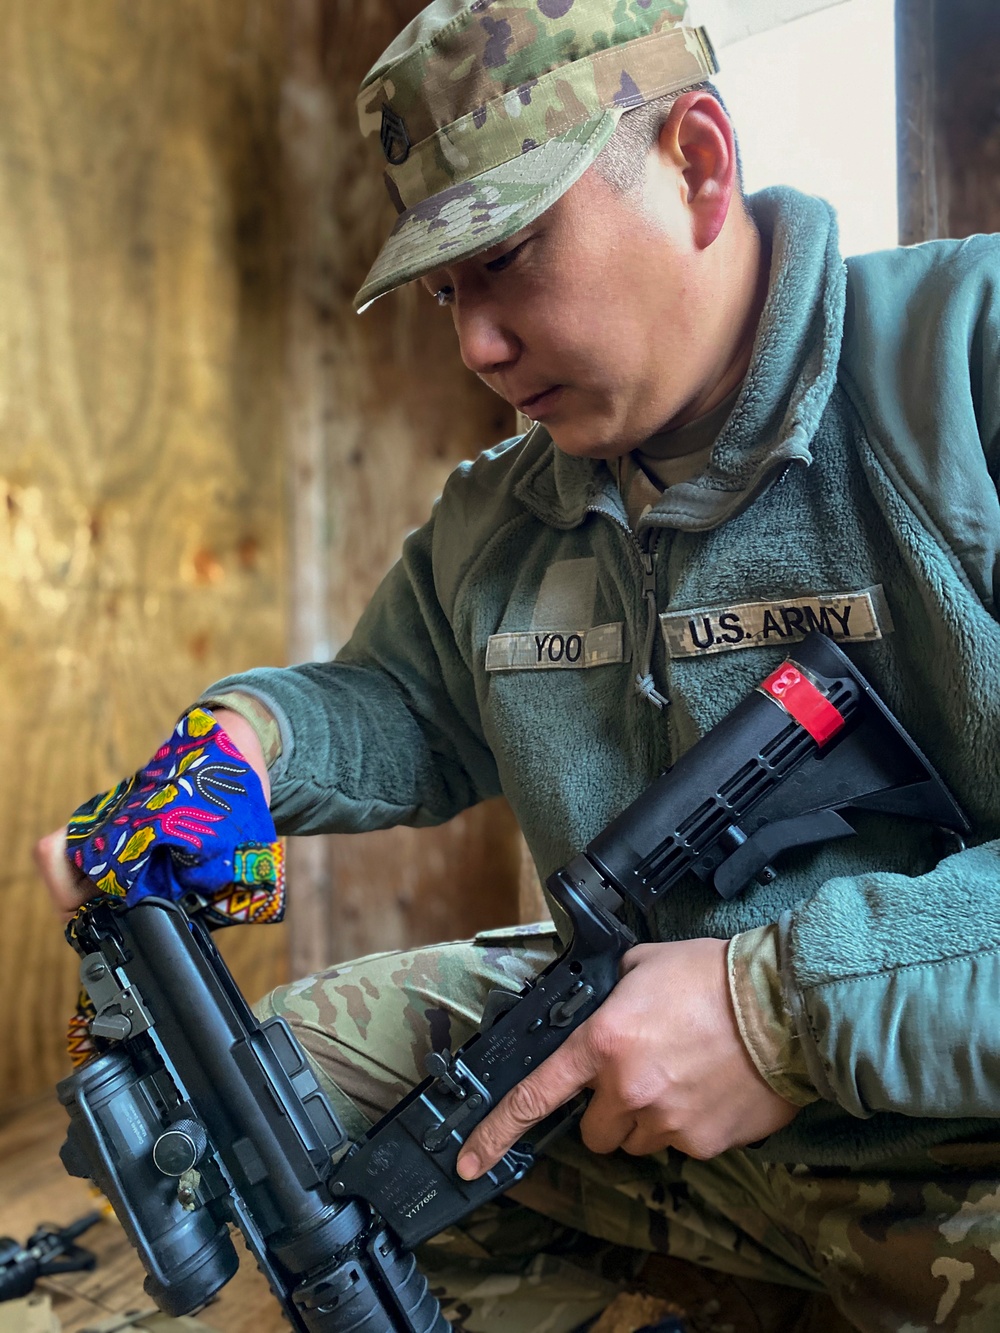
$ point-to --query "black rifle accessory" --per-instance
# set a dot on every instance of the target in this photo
(47, 1251)
(195, 1115)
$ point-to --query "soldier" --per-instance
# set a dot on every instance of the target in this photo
(737, 437)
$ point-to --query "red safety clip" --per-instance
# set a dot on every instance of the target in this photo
(801, 699)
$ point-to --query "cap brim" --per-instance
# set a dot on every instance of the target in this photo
(464, 219)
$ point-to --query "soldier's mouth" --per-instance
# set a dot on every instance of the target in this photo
(540, 404)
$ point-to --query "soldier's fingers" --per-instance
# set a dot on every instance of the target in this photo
(555, 1082)
(67, 887)
(605, 1127)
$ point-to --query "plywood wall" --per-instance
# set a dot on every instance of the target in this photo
(206, 460)
(948, 87)
(142, 517)
(392, 411)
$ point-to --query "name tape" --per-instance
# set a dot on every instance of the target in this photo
(553, 650)
(847, 617)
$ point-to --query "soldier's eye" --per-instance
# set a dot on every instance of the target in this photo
(444, 295)
(505, 260)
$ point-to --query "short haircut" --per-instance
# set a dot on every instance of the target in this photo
(622, 160)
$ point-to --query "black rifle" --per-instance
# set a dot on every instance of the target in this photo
(47, 1251)
(196, 1115)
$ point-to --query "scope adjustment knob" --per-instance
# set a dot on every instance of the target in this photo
(180, 1148)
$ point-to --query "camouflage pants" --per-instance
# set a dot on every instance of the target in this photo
(912, 1246)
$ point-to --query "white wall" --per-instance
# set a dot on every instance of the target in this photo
(814, 106)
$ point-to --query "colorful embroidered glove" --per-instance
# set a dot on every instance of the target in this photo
(194, 820)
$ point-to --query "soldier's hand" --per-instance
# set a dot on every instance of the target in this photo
(666, 1062)
(68, 888)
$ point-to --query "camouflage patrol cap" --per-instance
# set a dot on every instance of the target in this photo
(489, 110)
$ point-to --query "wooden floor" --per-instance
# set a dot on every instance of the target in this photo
(35, 1188)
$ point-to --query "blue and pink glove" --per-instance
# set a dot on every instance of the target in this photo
(192, 821)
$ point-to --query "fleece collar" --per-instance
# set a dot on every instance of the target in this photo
(791, 376)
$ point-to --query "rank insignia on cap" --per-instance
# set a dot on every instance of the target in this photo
(395, 140)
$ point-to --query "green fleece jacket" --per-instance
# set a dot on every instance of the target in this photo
(853, 486)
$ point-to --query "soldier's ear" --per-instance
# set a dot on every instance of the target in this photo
(697, 140)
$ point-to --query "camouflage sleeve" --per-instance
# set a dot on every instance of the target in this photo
(254, 711)
(764, 1020)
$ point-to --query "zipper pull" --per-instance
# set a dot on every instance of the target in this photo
(648, 576)
(645, 686)
(644, 683)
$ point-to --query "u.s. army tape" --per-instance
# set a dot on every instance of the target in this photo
(847, 617)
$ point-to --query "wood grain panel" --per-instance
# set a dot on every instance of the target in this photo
(384, 412)
(968, 98)
(184, 216)
(948, 87)
(141, 332)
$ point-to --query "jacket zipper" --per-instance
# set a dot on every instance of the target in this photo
(645, 686)
(644, 683)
